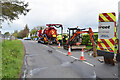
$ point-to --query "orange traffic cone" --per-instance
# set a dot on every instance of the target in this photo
(59, 45)
(82, 56)
(69, 50)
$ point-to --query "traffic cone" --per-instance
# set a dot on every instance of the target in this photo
(69, 50)
(59, 45)
(82, 56)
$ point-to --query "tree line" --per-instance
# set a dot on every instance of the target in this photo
(24, 33)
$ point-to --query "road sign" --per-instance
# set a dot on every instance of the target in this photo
(106, 34)
(106, 30)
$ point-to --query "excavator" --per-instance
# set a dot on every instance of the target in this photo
(75, 39)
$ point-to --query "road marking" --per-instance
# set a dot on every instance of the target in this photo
(33, 71)
(64, 53)
(24, 73)
(74, 58)
(60, 52)
(83, 61)
(77, 58)
(89, 63)
(25, 64)
(45, 46)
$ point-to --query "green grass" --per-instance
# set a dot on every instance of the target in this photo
(88, 47)
(0, 59)
(12, 58)
(88, 34)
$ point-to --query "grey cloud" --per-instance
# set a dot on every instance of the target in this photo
(70, 13)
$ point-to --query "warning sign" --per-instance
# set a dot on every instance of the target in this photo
(106, 34)
(106, 30)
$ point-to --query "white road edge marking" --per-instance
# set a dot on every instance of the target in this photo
(61, 52)
(74, 57)
(89, 63)
(45, 45)
(33, 71)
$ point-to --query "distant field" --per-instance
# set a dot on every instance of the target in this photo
(12, 58)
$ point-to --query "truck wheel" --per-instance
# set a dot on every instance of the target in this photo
(43, 42)
(106, 60)
(38, 41)
(109, 61)
(118, 57)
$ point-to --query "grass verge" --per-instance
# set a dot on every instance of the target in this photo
(12, 58)
(88, 47)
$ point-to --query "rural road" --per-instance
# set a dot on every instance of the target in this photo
(44, 61)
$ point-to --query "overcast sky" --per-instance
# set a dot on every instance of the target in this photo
(69, 13)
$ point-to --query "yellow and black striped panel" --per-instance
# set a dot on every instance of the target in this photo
(107, 44)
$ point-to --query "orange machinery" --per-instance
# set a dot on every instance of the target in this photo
(49, 34)
(75, 39)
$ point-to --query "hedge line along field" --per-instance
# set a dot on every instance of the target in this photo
(12, 58)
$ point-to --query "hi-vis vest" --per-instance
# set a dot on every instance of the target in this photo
(59, 37)
(106, 34)
(66, 37)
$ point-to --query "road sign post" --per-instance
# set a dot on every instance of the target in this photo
(118, 34)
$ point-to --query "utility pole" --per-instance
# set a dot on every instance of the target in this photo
(118, 27)
(0, 15)
(118, 33)
(0, 22)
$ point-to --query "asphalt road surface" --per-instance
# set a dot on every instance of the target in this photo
(46, 61)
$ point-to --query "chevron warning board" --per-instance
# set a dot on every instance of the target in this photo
(106, 33)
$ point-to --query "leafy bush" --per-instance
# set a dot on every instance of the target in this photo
(34, 37)
(86, 39)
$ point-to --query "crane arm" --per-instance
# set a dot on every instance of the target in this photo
(91, 36)
(77, 32)
(90, 32)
